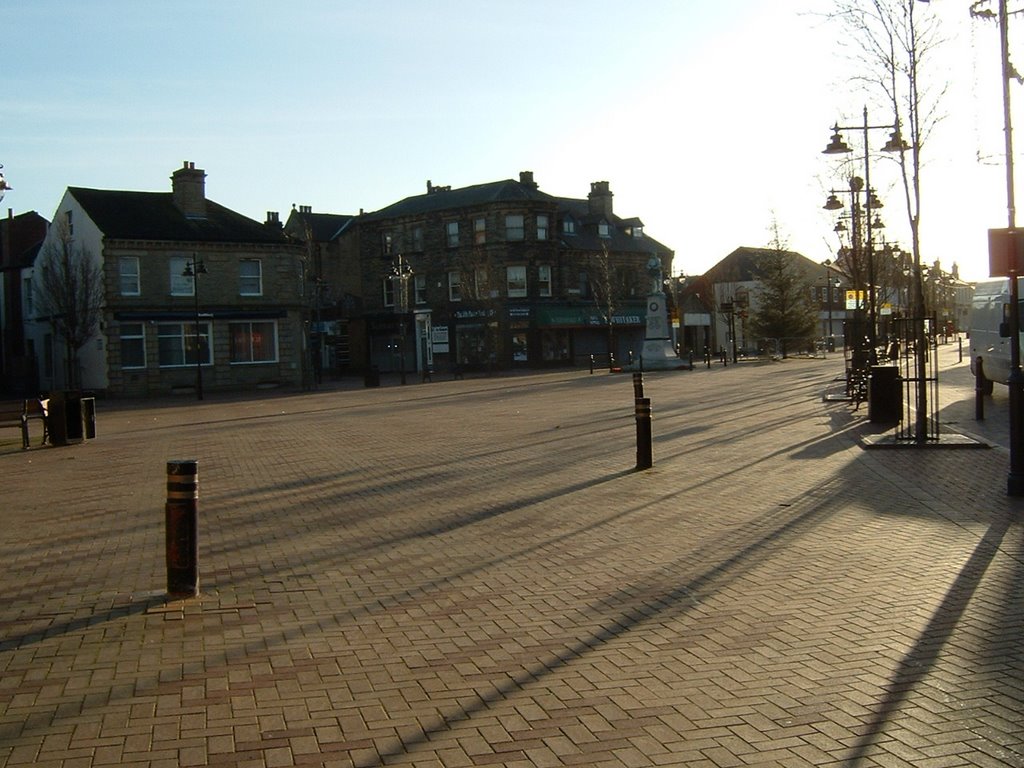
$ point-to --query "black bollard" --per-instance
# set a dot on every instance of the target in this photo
(638, 385)
(979, 390)
(181, 515)
(644, 459)
(960, 349)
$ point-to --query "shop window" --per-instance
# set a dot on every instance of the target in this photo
(176, 344)
(253, 342)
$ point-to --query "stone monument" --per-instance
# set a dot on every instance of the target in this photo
(658, 353)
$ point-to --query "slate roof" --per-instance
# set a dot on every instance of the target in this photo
(506, 191)
(511, 191)
(588, 239)
(28, 230)
(740, 266)
(324, 226)
(153, 216)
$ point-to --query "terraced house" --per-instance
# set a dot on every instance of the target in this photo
(192, 294)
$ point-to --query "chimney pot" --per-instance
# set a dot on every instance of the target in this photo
(188, 191)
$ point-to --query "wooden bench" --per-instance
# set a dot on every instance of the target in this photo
(20, 412)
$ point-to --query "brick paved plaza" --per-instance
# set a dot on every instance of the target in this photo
(470, 573)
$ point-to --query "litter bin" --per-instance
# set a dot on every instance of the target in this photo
(885, 395)
(372, 377)
(71, 417)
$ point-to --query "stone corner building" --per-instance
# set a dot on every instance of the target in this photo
(498, 275)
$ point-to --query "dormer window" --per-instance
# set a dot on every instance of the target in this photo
(569, 226)
(604, 229)
(638, 231)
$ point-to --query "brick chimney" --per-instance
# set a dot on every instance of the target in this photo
(188, 188)
(600, 198)
(526, 179)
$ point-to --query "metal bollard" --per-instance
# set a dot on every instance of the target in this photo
(181, 515)
(638, 385)
(979, 390)
(591, 364)
(960, 349)
(644, 459)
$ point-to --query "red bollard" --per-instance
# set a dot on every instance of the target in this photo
(181, 521)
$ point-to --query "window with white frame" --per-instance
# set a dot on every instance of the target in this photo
(544, 280)
(514, 229)
(569, 225)
(176, 344)
(250, 277)
(133, 345)
(479, 231)
(252, 341)
(128, 271)
(181, 285)
(454, 286)
(604, 229)
(542, 227)
(387, 243)
(515, 277)
(419, 288)
(452, 233)
(388, 291)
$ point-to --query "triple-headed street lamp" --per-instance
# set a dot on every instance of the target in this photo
(837, 146)
(193, 269)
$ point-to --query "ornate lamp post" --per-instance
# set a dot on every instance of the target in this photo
(194, 268)
(837, 146)
(400, 274)
(830, 344)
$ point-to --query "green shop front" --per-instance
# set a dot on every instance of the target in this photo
(543, 335)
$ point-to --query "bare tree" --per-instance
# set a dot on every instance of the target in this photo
(69, 294)
(603, 285)
(895, 43)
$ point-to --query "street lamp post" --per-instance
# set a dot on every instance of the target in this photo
(194, 269)
(401, 271)
(837, 146)
(830, 345)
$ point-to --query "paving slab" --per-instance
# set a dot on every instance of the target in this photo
(471, 573)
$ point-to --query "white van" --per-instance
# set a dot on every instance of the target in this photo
(990, 330)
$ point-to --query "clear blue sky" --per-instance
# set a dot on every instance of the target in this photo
(707, 118)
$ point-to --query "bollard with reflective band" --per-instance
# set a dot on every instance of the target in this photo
(644, 458)
(181, 522)
(638, 385)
